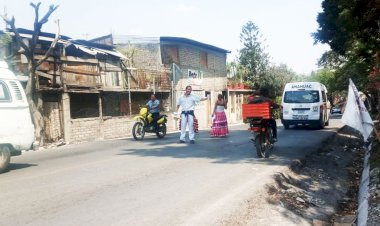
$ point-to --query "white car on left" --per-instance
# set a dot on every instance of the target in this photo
(16, 127)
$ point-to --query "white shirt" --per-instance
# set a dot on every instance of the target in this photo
(188, 103)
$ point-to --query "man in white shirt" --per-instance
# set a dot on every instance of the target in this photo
(187, 103)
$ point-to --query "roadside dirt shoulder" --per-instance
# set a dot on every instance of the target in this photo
(319, 190)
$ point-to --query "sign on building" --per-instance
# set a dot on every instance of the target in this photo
(194, 77)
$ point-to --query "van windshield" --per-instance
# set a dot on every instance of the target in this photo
(301, 96)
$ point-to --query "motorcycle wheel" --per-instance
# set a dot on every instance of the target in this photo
(161, 131)
(138, 131)
(260, 145)
(263, 144)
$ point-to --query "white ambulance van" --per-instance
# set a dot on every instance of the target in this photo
(16, 127)
(305, 103)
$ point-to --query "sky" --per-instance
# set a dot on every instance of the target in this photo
(286, 25)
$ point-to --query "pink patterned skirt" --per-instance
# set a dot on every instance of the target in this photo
(219, 125)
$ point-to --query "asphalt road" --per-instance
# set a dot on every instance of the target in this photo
(149, 182)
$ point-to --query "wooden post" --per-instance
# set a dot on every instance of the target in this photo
(129, 93)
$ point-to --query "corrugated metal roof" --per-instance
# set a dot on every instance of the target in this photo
(85, 46)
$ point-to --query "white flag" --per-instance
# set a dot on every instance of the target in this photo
(355, 114)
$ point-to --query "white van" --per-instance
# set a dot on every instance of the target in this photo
(305, 103)
(16, 127)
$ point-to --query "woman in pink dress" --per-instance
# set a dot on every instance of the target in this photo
(219, 124)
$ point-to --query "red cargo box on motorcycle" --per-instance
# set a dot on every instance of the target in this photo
(261, 110)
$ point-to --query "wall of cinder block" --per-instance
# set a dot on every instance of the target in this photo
(90, 129)
(214, 75)
(117, 127)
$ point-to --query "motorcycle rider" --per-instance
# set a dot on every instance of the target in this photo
(153, 106)
(262, 96)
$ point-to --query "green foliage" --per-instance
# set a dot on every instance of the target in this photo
(253, 58)
(351, 28)
(276, 78)
(5, 39)
(326, 77)
(237, 72)
(254, 67)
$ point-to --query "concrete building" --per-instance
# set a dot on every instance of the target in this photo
(189, 62)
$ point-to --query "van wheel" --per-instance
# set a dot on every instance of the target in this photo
(5, 157)
(321, 124)
(286, 126)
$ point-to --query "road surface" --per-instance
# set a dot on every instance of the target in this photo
(149, 182)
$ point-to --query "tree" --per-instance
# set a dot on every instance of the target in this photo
(352, 29)
(277, 77)
(34, 99)
(252, 56)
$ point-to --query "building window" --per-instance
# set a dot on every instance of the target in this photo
(111, 79)
(114, 104)
(84, 105)
(170, 54)
(204, 60)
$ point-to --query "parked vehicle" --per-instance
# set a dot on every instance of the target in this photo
(258, 116)
(336, 110)
(305, 103)
(16, 127)
(144, 124)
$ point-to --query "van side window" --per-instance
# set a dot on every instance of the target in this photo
(4, 93)
(324, 96)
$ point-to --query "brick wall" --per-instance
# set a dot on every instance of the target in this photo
(87, 129)
(190, 56)
(117, 127)
(146, 56)
(53, 128)
(90, 129)
(214, 76)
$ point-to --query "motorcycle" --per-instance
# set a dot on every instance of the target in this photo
(144, 124)
(263, 136)
(259, 118)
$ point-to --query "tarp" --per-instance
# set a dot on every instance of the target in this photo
(355, 114)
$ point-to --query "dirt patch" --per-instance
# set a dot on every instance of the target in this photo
(320, 190)
(374, 186)
(323, 188)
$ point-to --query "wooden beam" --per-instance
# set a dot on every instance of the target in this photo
(79, 71)
(68, 59)
(78, 59)
(49, 76)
